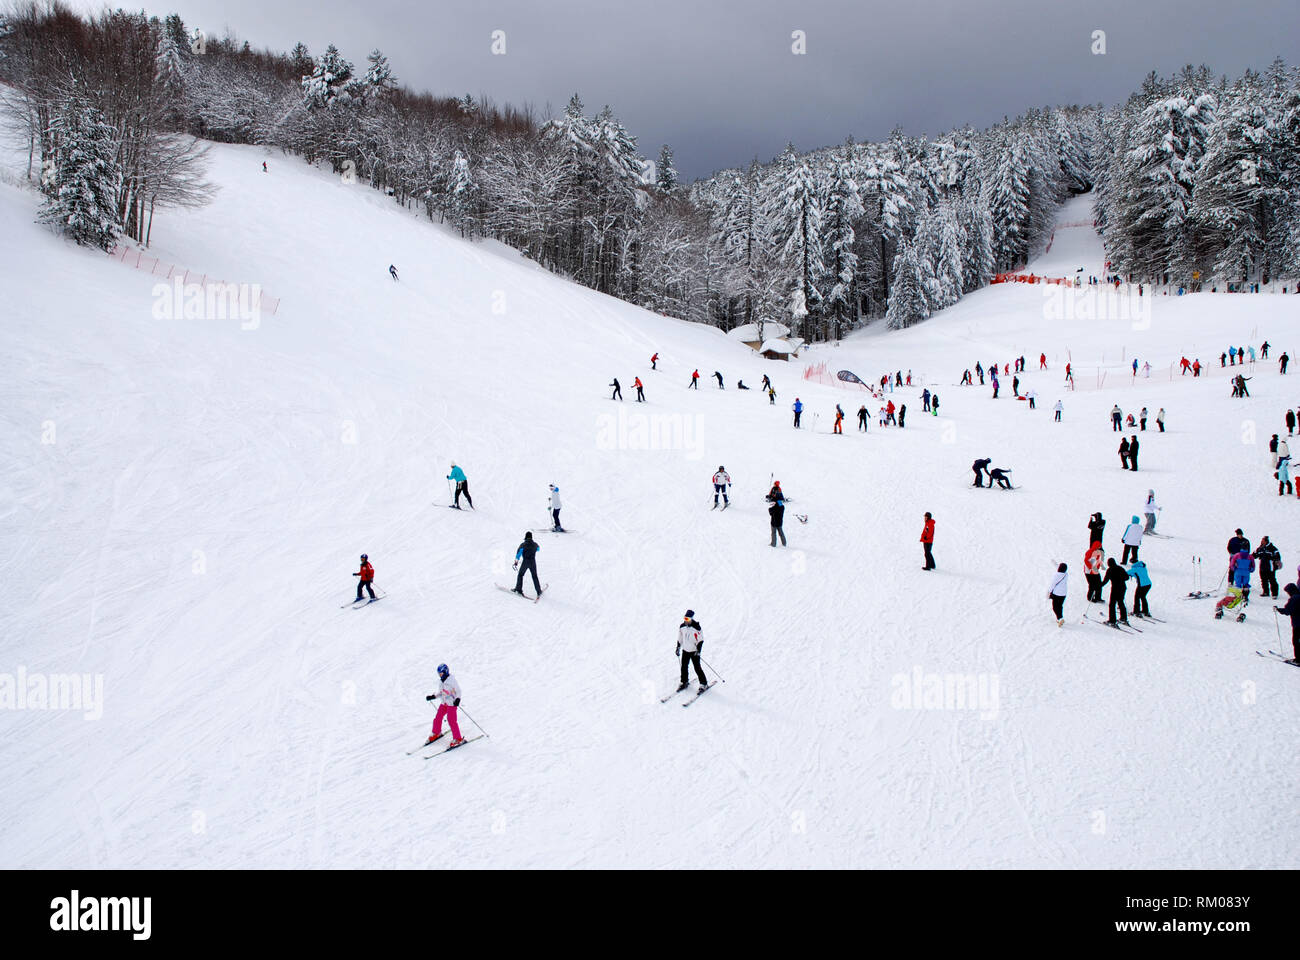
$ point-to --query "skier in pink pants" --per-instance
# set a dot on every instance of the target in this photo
(448, 697)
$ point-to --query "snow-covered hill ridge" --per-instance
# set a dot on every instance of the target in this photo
(187, 498)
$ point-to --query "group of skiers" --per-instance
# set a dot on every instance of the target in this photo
(1118, 421)
(1099, 570)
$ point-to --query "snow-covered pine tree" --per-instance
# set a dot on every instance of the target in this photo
(908, 296)
(798, 221)
(843, 208)
(82, 188)
(329, 82)
(665, 173)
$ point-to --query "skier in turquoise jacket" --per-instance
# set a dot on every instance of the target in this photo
(457, 475)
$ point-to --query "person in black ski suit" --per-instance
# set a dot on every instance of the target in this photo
(979, 466)
(1269, 559)
(999, 476)
(1118, 581)
(862, 417)
(902, 415)
(1123, 453)
(1292, 610)
(1133, 453)
(618, 391)
(1096, 526)
(526, 562)
(777, 512)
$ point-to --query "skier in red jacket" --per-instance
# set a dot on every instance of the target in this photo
(367, 575)
(653, 361)
(695, 380)
(927, 541)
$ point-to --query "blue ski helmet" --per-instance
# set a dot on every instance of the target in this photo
(443, 671)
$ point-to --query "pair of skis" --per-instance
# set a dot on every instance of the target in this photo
(1123, 626)
(1274, 655)
(698, 693)
(545, 587)
(358, 604)
(442, 750)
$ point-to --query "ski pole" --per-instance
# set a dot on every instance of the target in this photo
(710, 666)
(473, 721)
(450, 493)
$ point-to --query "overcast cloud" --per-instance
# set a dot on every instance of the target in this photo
(716, 79)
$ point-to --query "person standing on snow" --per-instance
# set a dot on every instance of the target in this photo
(719, 376)
(1142, 418)
(527, 553)
(934, 404)
(1058, 409)
(902, 414)
(925, 401)
(448, 697)
(1270, 561)
(1116, 418)
(1292, 610)
(775, 494)
(1123, 453)
(457, 476)
(653, 361)
(1042, 361)
(980, 466)
(1290, 421)
(618, 391)
(1118, 581)
(767, 384)
(721, 480)
(1160, 419)
(927, 541)
(695, 381)
(1282, 362)
(1149, 510)
(367, 575)
(1283, 450)
(690, 641)
(1242, 565)
(555, 509)
(889, 413)
(640, 390)
(1096, 527)
(1132, 539)
(1094, 561)
(798, 411)
(777, 513)
(771, 397)
(862, 417)
(1283, 474)
(1138, 571)
(1056, 594)
(839, 420)
(1133, 453)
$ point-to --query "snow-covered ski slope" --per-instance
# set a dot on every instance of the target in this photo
(184, 501)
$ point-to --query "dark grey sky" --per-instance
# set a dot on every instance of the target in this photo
(716, 79)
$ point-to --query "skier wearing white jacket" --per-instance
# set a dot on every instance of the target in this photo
(448, 697)
(721, 480)
(555, 509)
(1056, 594)
(1149, 511)
(1132, 540)
(690, 641)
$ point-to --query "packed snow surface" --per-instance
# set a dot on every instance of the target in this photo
(185, 500)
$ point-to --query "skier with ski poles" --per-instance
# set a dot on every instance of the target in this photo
(618, 391)
(862, 417)
(1132, 540)
(448, 697)
(457, 476)
(1118, 581)
(839, 420)
(367, 575)
(527, 554)
(555, 509)
(798, 411)
(1094, 561)
(640, 390)
(1138, 571)
(690, 641)
(721, 480)
(1270, 562)
(1149, 510)
(1292, 610)
(653, 361)
(695, 381)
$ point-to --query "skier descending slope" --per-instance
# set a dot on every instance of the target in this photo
(457, 475)
(448, 697)
(690, 642)
(721, 480)
(555, 511)
(527, 554)
(367, 575)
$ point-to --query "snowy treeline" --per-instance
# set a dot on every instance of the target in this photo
(98, 103)
(821, 240)
(1199, 175)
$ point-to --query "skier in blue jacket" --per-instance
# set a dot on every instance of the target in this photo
(1243, 564)
(527, 555)
(1138, 571)
(457, 475)
(798, 410)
